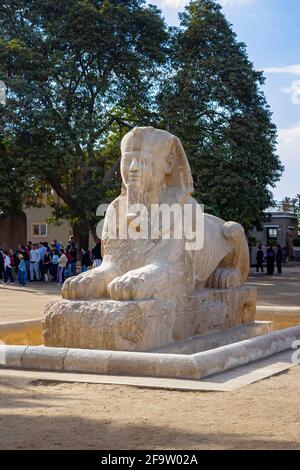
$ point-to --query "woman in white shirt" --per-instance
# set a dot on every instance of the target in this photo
(62, 263)
(8, 269)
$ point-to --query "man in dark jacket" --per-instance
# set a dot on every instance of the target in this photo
(259, 259)
(85, 260)
(279, 257)
(270, 261)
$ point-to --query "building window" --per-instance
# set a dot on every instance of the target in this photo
(273, 233)
(39, 230)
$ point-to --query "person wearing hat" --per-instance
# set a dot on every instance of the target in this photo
(22, 274)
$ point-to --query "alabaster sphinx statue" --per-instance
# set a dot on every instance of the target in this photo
(155, 170)
(145, 277)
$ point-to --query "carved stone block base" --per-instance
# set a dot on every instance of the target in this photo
(144, 325)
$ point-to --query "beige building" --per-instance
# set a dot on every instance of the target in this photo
(39, 230)
(32, 225)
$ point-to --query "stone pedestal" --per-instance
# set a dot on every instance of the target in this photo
(144, 325)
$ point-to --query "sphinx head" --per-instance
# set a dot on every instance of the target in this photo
(152, 160)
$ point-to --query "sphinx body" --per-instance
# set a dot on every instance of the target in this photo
(155, 170)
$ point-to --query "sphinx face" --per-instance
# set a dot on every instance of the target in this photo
(152, 161)
(142, 170)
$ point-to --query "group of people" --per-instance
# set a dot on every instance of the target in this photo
(41, 262)
(269, 256)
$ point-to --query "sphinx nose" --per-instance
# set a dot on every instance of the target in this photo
(134, 166)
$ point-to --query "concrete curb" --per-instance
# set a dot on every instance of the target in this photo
(194, 366)
(278, 314)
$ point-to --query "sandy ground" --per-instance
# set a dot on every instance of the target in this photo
(278, 289)
(25, 303)
(42, 415)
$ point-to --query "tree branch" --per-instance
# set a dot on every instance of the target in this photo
(111, 171)
(61, 192)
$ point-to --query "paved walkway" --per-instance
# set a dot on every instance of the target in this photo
(277, 290)
(280, 293)
(24, 303)
(278, 297)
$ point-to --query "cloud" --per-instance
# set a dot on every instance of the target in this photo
(290, 137)
(293, 90)
(234, 3)
(170, 3)
(291, 69)
(176, 4)
(289, 153)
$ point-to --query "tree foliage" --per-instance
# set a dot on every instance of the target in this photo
(73, 69)
(80, 73)
(212, 100)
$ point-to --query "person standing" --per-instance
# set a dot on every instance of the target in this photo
(22, 274)
(2, 270)
(8, 268)
(14, 263)
(56, 245)
(68, 271)
(279, 258)
(85, 260)
(62, 263)
(42, 250)
(16, 259)
(46, 265)
(259, 259)
(96, 253)
(34, 263)
(270, 261)
(54, 265)
(73, 262)
(26, 255)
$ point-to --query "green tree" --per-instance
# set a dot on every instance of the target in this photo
(80, 73)
(12, 184)
(76, 72)
(212, 100)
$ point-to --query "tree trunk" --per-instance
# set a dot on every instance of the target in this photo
(81, 234)
(94, 234)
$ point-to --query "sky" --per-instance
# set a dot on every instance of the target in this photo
(271, 31)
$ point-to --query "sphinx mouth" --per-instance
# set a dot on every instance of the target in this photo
(134, 177)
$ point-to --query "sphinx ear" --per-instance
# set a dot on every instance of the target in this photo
(170, 162)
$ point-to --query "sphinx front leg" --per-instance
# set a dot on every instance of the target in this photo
(150, 281)
(91, 284)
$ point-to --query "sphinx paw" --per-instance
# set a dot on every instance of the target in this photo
(128, 287)
(88, 285)
(224, 278)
